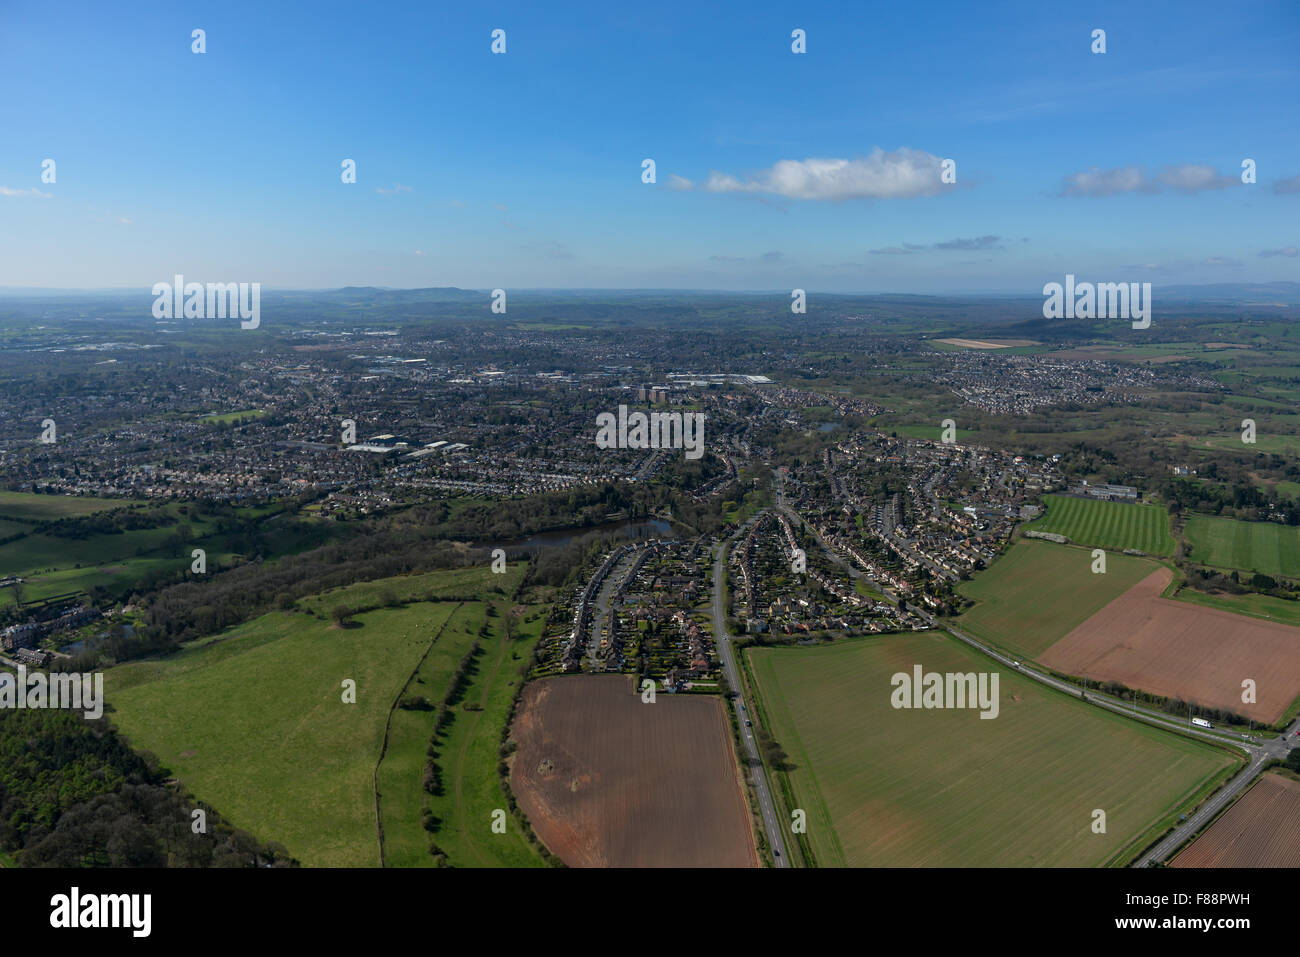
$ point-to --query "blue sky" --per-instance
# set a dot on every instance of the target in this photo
(524, 170)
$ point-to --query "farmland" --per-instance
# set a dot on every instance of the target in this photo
(1250, 603)
(1265, 547)
(913, 788)
(1114, 525)
(33, 507)
(288, 760)
(1261, 830)
(1180, 650)
(609, 781)
(1039, 591)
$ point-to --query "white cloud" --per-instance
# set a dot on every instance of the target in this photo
(1106, 182)
(897, 174)
(397, 188)
(1290, 252)
(1193, 177)
(6, 191)
(1182, 177)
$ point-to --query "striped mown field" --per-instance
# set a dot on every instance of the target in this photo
(1116, 525)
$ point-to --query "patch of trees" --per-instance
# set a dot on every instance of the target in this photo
(192, 609)
(1211, 580)
(113, 522)
(1172, 706)
(74, 794)
(773, 753)
(432, 780)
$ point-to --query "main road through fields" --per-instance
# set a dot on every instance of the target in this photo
(1259, 752)
(771, 822)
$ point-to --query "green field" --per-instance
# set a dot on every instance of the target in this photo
(1115, 525)
(1038, 592)
(1252, 603)
(52, 564)
(934, 433)
(468, 756)
(1265, 547)
(912, 788)
(228, 418)
(400, 775)
(253, 721)
(476, 581)
(35, 507)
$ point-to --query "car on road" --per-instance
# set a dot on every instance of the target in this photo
(742, 706)
(747, 724)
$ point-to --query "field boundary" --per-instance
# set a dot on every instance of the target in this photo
(388, 724)
(1196, 835)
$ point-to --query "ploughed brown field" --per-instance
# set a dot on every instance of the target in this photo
(608, 781)
(1184, 651)
(1260, 830)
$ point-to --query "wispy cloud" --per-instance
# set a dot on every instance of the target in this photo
(548, 249)
(1193, 177)
(767, 258)
(1289, 251)
(1107, 182)
(948, 245)
(1289, 185)
(978, 242)
(897, 174)
(6, 191)
(1180, 177)
(397, 188)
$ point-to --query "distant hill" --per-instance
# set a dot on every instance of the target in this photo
(1254, 293)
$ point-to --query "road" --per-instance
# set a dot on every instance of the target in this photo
(1258, 751)
(766, 806)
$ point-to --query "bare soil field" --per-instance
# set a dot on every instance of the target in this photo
(609, 781)
(1260, 830)
(1184, 651)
